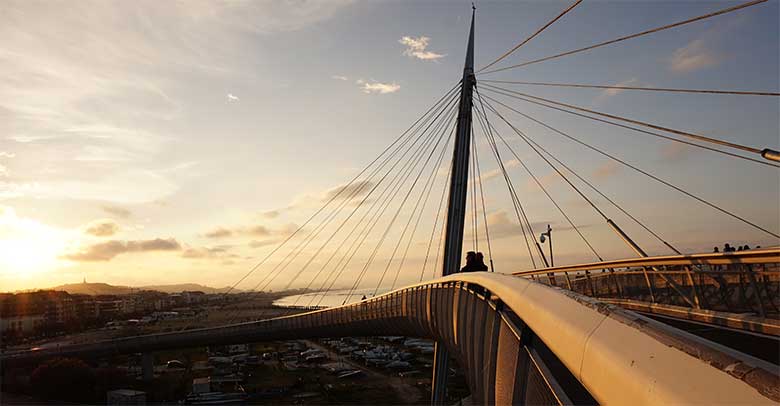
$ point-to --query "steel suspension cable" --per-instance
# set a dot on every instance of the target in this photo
(649, 89)
(474, 230)
(509, 93)
(303, 244)
(656, 178)
(339, 228)
(444, 190)
(337, 195)
(519, 211)
(347, 258)
(376, 216)
(334, 197)
(492, 139)
(430, 184)
(697, 137)
(426, 125)
(539, 31)
(411, 217)
(392, 221)
(539, 183)
(482, 198)
(428, 187)
(594, 188)
(627, 37)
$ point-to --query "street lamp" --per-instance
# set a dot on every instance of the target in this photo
(548, 236)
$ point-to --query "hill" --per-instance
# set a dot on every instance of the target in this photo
(106, 289)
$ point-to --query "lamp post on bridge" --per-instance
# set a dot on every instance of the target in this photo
(456, 209)
(548, 235)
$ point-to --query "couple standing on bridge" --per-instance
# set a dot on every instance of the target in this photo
(475, 262)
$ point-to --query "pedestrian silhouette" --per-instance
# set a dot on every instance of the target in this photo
(480, 263)
(739, 248)
(715, 249)
(471, 262)
(727, 248)
(747, 247)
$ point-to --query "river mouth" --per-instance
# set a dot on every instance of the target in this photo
(325, 298)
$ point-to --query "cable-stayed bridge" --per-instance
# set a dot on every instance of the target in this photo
(619, 331)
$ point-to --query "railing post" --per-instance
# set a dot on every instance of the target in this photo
(694, 290)
(756, 291)
(649, 284)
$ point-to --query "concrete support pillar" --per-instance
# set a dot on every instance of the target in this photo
(147, 366)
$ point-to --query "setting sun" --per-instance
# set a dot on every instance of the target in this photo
(27, 247)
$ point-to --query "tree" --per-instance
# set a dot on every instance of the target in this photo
(66, 379)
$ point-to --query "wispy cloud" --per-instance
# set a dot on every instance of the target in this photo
(607, 170)
(416, 47)
(675, 152)
(219, 232)
(497, 172)
(339, 77)
(232, 97)
(502, 226)
(4, 154)
(378, 87)
(106, 251)
(251, 231)
(615, 92)
(117, 211)
(208, 253)
(102, 228)
(270, 214)
(696, 55)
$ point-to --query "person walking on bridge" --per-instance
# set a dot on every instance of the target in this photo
(475, 262)
(481, 267)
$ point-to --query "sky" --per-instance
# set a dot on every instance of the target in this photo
(164, 142)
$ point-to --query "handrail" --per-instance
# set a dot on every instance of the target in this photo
(758, 256)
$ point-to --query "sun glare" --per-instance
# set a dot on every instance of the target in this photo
(27, 247)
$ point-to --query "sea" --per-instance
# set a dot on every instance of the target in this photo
(325, 298)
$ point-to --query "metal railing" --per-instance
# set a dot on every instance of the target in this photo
(746, 282)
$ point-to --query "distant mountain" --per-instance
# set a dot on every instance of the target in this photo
(189, 287)
(106, 289)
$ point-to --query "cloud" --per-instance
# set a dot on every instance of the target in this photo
(206, 253)
(102, 228)
(117, 211)
(4, 154)
(106, 251)
(416, 48)
(271, 214)
(252, 231)
(231, 97)
(501, 226)
(220, 232)
(696, 55)
(497, 172)
(675, 152)
(352, 191)
(91, 85)
(615, 92)
(262, 243)
(339, 77)
(260, 231)
(378, 87)
(3, 171)
(607, 170)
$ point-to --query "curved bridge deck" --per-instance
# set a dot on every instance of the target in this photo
(519, 342)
